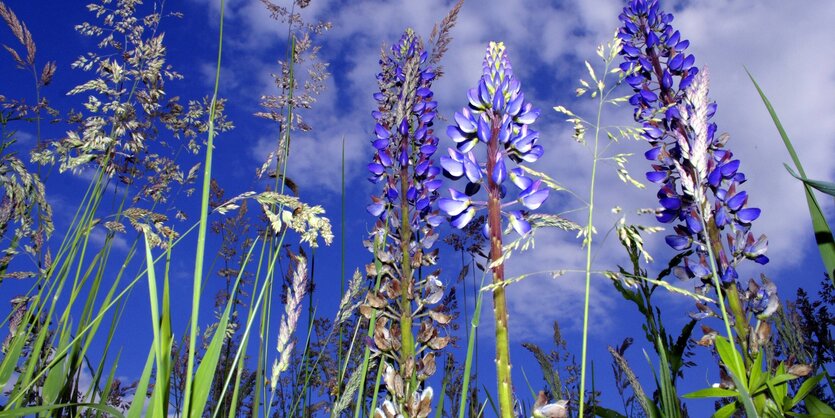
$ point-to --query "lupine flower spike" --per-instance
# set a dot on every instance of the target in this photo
(404, 142)
(499, 118)
(698, 177)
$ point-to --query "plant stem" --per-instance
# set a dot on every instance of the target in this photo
(494, 222)
(587, 242)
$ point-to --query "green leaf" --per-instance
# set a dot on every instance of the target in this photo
(757, 379)
(726, 411)
(823, 186)
(818, 409)
(805, 388)
(13, 353)
(781, 378)
(206, 371)
(607, 413)
(823, 233)
(138, 403)
(34, 410)
(730, 357)
(711, 393)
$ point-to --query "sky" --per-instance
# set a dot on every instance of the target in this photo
(785, 46)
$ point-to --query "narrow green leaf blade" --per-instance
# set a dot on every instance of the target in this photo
(138, 403)
(823, 233)
(805, 388)
(823, 186)
(711, 393)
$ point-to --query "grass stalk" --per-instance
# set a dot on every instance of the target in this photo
(201, 234)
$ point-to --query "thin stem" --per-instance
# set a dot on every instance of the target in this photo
(201, 234)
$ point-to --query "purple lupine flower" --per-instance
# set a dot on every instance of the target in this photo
(404, 140)
(497, 107)
(697, 175)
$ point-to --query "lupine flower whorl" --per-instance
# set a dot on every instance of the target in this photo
(497, 105)
(688, 158)
(404, 143)
(403, 135)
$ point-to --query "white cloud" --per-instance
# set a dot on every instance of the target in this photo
(547, 39)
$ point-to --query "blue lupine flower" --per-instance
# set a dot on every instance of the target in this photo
(497, 110)
(697, 175)
(404, 140)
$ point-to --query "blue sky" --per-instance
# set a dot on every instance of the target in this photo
(782, 44)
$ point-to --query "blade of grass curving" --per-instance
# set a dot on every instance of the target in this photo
(244, 339)
(201, 234)
(208, 365)
(57, 377)
(669, 397)
(439, 409)
(137, 405)
(468, 361)
(823, 186)
(823, 233)
(12, 355)
(342, 372)
(103, 360)
(490, 401)
(156, 408)
(377, 384)
(108, 384)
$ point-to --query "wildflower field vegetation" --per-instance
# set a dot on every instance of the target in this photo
(172, 246)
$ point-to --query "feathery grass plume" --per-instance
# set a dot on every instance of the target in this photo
(295, 93)
(292, 312)
(119, 128)
(560, 372)
(624, 373)
(24, 210)
(499, 117)
(404, 142)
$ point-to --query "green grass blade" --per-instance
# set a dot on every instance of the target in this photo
(157, 408)
(201, 238)
(823, 233)
(7, 367)
(468, 361)
(33, 410)
(823, 186)
(805, 388)
(138, 404)
(818, 408)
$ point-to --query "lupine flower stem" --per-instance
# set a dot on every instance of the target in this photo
(494, 221)
(719, 290)
(407, 340)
